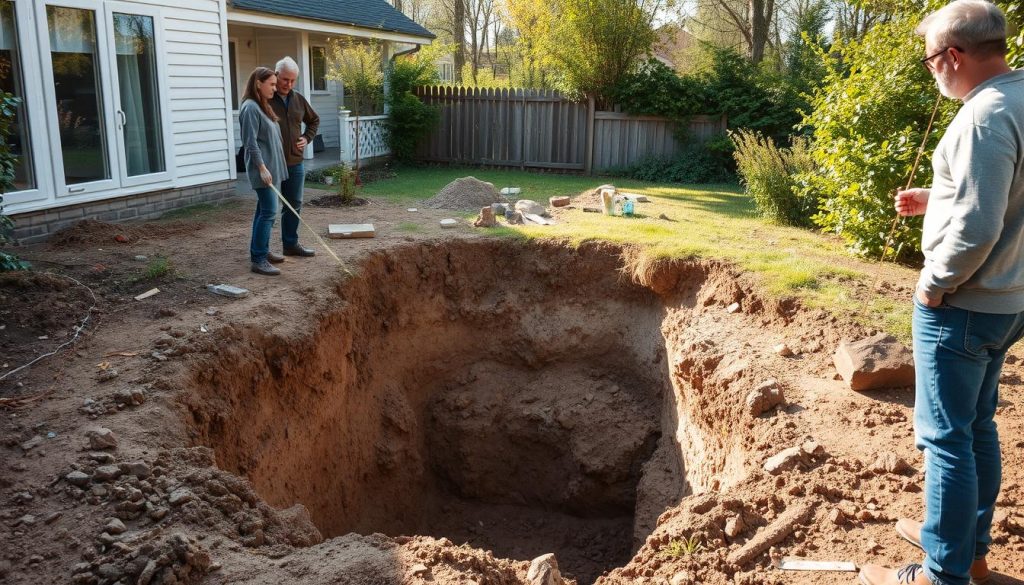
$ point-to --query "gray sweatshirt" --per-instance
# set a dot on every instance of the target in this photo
(973, 239)
(262, 139)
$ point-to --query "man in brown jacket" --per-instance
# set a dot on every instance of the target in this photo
(292, 111)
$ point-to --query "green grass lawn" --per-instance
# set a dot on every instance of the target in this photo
(705, 221)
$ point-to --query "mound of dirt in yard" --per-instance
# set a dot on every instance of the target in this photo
(91, 231)
(465, 194)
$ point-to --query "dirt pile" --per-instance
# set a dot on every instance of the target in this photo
(465, 194)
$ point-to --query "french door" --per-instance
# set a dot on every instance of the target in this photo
(103, 83)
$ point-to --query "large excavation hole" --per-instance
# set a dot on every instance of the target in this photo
(514, 397)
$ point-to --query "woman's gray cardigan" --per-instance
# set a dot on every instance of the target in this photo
(262, 139)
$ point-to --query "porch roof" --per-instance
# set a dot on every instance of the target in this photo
(370, 14)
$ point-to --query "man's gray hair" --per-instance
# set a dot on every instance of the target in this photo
(971, 25)
(287, 65)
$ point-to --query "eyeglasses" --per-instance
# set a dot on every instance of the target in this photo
(927, 60)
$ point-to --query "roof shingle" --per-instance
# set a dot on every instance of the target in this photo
(374, 14)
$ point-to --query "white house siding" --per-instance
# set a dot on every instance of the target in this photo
(200, 104)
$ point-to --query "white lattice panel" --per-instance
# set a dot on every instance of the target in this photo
(371, 137)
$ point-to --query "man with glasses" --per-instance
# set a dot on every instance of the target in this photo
(969, 301)
(292, 111)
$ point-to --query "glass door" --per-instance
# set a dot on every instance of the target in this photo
(77, 71)
(138, 98)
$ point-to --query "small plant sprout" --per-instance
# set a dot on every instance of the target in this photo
(683, 547)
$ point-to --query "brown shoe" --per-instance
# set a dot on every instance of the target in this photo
(912, 574)
(910, 531)
(274, 258)
(299, 251)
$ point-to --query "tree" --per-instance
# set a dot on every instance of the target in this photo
(595, 43)
(532, 24)
(751, 20)
(357, 65)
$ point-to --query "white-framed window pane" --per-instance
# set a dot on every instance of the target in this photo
(11, 82)
(318, 68)
(79, 94)
(135, 44)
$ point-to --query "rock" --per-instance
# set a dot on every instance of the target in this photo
(733, 308)
(766, 396)
(101, 439)
(32, 443)
(499, 209)
(485, 218)
(783, 461)
(115, 526)
(109, 572)
(52, 517)
(812, 448)
(525, 206)
(26, 520)
(514, 217)
(77, 478)
(181, 496)
(783, 350)
(837, 517)
(419, 569)
(872, 547)
(107, 473)
(875, 362)
(890, 463)
(449, 223)
(129, 396)
(544, 571)
(107, 375)
(158, 514)
(681, 578)
(138, 469)
(559, 201)
(101, 457)
(734, 526)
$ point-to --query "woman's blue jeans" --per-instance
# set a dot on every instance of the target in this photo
(958, 356)
(262, 223)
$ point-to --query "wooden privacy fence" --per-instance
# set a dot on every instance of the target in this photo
(543, 129)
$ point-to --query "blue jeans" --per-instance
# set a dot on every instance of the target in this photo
(958, 355)
(291, 188)
(262, 223)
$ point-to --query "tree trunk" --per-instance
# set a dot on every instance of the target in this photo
(761, 12)
(459, 36)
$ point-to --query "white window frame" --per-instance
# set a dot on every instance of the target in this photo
(163, 86)
(61, 189)
(34, 108)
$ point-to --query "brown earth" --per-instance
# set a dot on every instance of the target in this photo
(452, 408)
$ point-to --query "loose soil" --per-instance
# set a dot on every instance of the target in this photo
(446, 409)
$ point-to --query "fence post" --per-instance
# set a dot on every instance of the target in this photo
(346, 146)
(588, 155)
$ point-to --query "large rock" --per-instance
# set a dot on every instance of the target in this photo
(766, 396)
(875, 362)
(544, 571)
(101, 438)
(525, 206)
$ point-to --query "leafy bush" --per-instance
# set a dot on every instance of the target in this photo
(410, 119)
(868, 122)
(655, 90)
(696, 164)
(8, 105)
(767, 173)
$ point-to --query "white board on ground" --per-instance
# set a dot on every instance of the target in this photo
(798, 564)
(350, 230)
(449, 223)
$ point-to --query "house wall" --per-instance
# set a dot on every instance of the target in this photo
(326, 104)
(196, 109)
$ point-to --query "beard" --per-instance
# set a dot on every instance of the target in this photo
(945, 82)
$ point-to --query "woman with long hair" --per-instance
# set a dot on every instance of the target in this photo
(264, 164)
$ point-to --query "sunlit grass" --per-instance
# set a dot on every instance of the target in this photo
(686, 221)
